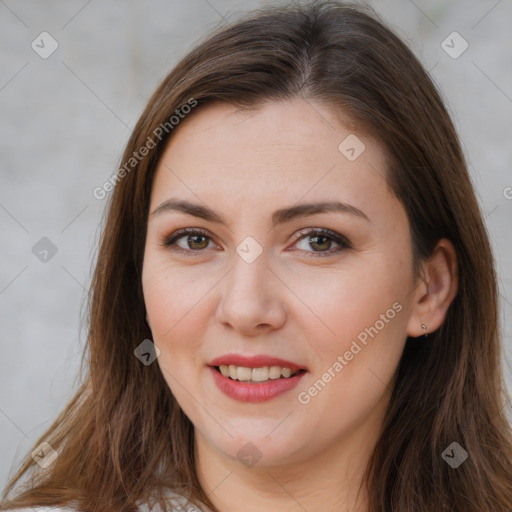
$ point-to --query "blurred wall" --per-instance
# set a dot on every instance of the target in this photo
(66, 112)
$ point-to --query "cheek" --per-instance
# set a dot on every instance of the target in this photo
(170, 307)
(368, 313)
(172, 296)
(364, 315)
(178, 309)
(356, 365)
(354, 302)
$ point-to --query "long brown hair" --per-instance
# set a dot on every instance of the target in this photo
(123, 434)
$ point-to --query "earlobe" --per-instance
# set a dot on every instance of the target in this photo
(435, 291)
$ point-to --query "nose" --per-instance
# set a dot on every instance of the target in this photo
(252, 297)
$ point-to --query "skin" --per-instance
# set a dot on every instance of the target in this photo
(290, 302)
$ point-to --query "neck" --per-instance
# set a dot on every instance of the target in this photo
(329, 481)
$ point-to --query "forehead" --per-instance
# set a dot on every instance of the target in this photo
(277, 153)
(293, 126)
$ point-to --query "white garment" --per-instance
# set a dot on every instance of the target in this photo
(178, 504)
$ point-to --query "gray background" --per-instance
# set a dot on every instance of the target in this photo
(64, 122)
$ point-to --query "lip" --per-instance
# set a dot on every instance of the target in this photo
(254, 392)
(257, 361)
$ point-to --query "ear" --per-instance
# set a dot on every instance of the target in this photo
(435, 291)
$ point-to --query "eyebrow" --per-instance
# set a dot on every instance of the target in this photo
(278, 217)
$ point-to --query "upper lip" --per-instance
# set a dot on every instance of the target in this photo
(256, 361)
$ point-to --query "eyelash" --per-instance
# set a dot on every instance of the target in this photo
(343, 242)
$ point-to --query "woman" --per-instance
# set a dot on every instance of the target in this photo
(294, 305)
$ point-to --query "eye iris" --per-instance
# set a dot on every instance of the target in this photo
(195, 237)
(326, 239)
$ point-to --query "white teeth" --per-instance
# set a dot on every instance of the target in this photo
(259, 374)
(286, 372)
(262, 374)
(275, 372)
(244, 373)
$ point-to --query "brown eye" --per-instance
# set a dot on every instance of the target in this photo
(194, 240)
(321, 240)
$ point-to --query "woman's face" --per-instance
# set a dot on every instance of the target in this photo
(260, 287)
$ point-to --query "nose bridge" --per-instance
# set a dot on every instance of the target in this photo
(250, 296)
(250, 274)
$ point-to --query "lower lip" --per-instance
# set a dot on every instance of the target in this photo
(254, 392)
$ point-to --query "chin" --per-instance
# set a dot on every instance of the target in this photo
(253, 446)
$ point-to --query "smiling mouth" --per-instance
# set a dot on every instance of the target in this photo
(256, 375)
